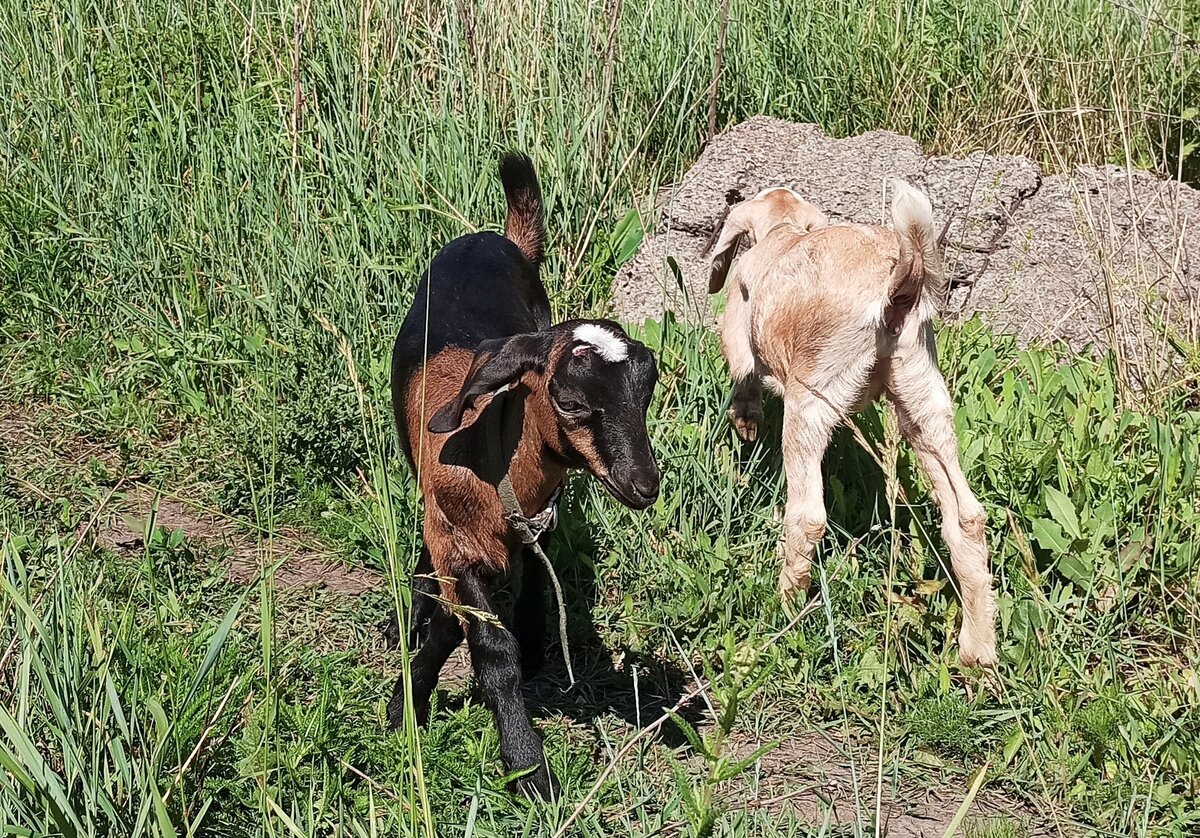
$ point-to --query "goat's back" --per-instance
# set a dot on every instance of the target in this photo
(843, 270)
(809, 294)
(477, 288)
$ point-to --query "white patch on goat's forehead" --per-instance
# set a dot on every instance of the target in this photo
(611, 347)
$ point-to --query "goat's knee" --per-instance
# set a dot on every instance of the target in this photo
(496, 657)
(972, 522)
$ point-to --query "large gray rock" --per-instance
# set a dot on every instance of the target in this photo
(1105, 257)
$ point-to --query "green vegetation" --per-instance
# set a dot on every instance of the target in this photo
(211, 219)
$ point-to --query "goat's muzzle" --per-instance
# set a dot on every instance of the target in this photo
(636, 487)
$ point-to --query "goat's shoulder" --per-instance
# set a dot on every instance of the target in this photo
(781, 251)
(464, 519)
(429, 387)
(433, 384)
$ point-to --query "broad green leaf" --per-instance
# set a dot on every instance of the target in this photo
(1063, 511)
(627, 237)
(1077, 569)
(1049, 534)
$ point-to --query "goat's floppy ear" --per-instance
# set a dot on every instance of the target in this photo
(811, 218)
(736, 229)
(497, 366)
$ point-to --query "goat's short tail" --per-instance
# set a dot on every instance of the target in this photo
(525, 226)
(912, 218)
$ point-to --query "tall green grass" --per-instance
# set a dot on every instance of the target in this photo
(211, 220)
(235, 164)
(149, 695)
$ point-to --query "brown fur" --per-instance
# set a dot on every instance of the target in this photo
(526, 234)
(464, 518)
(524, 225)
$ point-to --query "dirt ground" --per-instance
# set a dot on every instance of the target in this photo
(814, 777)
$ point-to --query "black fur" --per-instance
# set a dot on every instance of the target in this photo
(480, 287)
(611, 400)
(482, 293)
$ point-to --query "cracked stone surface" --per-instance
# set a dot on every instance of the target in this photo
(1099, 257)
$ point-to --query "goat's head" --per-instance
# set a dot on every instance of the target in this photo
(598, 382)
(751, 220)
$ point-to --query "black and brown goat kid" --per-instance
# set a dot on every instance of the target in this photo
(483, 386)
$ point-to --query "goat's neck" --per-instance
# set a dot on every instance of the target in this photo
(536, 469)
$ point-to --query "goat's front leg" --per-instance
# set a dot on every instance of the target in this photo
(808, 422)
(529, 613)
(926, 416)
(496, 656)
(745, 409)
(422, 607)
(434, 634)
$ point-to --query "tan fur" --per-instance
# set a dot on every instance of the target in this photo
(831, 318)
(752, 220)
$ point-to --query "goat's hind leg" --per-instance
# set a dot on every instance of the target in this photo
(808, 423)
(927, 422)
(434, 633)
(745, 409)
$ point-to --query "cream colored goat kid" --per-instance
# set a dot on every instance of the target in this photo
(831, 317)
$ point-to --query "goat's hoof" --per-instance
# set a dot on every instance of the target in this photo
(538, 784)
(973, 651)
(747, 429)
(744, 424)
(793, 582)
(745, 416)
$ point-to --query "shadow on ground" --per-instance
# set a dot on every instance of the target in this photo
(608, 680)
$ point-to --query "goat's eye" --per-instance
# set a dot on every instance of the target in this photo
(572, 408)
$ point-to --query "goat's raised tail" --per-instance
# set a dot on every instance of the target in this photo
(912, 218)
(525, 226)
